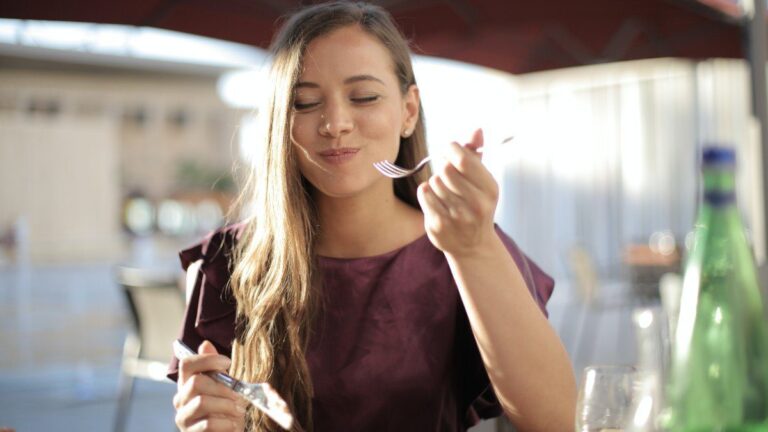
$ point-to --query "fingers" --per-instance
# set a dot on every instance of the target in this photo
(477, 140)
(470, 166)
(207, 361)
(207, 348)
(201, 384)
(202, 403)
(459, 199)
(454, 204)
(205, 407)
(455, 182)
(464, 186)
(429, 201)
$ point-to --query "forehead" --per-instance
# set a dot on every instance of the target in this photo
(345, 52)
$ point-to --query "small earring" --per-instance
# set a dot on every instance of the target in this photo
(407, 133)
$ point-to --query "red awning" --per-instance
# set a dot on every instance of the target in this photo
(512, 35)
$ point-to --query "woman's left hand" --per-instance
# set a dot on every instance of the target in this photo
(459, 201)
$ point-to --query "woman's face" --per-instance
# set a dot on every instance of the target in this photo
(349, 112)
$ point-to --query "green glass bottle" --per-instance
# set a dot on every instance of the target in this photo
(719, 370)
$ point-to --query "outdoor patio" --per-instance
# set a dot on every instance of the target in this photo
(62, 338)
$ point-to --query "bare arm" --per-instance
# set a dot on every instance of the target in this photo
(526, 362)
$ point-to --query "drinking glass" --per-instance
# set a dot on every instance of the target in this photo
(605, 399)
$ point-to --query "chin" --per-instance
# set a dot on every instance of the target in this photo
(344, 186)
(340, 191)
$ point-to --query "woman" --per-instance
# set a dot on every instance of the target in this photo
(368, 303)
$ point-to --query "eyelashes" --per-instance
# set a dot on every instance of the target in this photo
(366, 99)
(309, 106)
(298, 106)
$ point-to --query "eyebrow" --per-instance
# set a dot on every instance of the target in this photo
(350, 80)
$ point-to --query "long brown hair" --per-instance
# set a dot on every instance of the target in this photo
(274, 276)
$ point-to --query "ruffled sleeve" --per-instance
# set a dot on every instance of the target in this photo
(210, 313)
(540, 284)
(475, 390)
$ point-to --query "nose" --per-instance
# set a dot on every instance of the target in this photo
(336, 120)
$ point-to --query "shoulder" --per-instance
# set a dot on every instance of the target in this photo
(214, 248)
(211, 308)
(211, 261)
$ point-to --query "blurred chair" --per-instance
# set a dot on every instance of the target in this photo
(593, 301)
(647, 263)
(156, 305)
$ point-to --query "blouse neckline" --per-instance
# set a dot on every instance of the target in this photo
(372, 258)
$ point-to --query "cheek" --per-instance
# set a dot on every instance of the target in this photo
(381, 126)
(300, 141)
(303, 162)
(300, 129)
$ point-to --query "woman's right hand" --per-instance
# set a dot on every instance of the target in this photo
(203, 404)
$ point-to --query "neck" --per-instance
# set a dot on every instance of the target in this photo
(368, 224)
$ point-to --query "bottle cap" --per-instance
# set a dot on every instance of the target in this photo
(718, 198)
(718, 156)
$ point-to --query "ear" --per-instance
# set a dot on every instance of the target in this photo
(411, 102)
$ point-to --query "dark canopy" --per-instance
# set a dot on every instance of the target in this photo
(517, 36)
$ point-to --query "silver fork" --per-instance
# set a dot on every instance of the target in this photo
(261, 395)
(393, 171)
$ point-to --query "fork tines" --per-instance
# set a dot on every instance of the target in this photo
(390, 170)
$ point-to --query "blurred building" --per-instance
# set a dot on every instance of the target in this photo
(80, 133)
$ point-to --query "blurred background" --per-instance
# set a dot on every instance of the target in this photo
(120, 125)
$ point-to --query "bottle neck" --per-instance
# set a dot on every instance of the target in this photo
(719, 186)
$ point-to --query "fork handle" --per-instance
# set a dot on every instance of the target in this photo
(181, 350)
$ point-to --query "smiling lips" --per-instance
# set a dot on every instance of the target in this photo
(338, 155)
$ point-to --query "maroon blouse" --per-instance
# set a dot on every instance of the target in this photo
(393, 349)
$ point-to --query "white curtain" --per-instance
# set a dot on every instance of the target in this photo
(606, 155)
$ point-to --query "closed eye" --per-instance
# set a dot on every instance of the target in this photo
(298, 106)
(365, 99)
